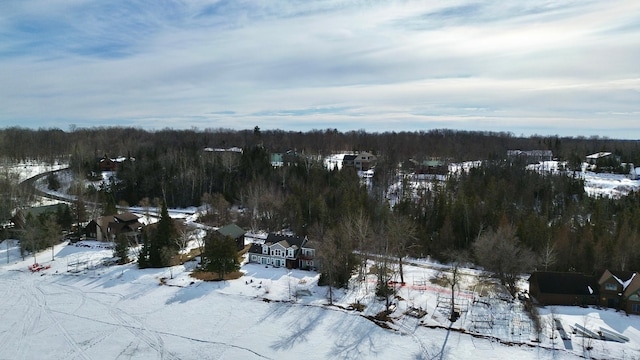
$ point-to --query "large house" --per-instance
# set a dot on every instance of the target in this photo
(563, 288)
(106, 163)
(283, 251)
(613, 289)
(361, 162)
(107, 228)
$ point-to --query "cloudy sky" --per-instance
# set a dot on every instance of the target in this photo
(570, 68)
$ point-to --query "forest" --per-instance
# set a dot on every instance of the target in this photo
(537, 221)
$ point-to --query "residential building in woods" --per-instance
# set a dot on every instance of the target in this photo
(283, 251)
(613, 289)
(235, 232)
(107, 228)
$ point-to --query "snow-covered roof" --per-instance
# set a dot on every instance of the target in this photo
(598, 155)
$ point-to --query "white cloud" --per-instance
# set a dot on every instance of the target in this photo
(503, 66)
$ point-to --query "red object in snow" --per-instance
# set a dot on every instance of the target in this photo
(37, 267)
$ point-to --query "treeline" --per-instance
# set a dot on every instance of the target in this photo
(88, 143)
(549, 216)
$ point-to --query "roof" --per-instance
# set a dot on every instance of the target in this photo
(632, 286)
(545, 153)
(126, 217)
(255, 248)
(622, 277)
(598, 155)
(35, 211)
(232, 230)
(565, 283)
(21, 214)
(291, 240)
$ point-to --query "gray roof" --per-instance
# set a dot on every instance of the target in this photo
(232, 230)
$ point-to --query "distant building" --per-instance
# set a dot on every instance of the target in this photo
(361, 162)
(106, 163)
(593, 158)
(531, 156)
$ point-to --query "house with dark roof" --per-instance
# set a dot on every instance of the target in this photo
(612, 286)
(563, 288)
(631, 295)
(235, 232)
(612, 289)
(620, 290)
(107, 228)
(361, 162)
(280, 250)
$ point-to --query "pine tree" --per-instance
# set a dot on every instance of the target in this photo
(121, 250)
(143, 258)
(161, 240)
(221, 255)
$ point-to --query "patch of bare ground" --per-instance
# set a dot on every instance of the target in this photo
(381, 319)
(214, 276)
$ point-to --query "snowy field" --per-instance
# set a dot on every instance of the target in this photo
(80, 309)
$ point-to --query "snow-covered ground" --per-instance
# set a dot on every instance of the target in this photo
(595, 184)
(79, 308)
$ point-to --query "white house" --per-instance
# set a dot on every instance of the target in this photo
(283, 251)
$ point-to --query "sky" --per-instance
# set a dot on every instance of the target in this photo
(568, 68)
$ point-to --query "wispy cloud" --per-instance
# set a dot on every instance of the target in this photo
(565, 68)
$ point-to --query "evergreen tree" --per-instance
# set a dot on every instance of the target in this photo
(121, 250)
(220, 255)
(143, 258)
(161, 240)
(52, 182)
(64, 217)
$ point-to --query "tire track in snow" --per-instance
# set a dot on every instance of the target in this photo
(70, 290)
(42, 301)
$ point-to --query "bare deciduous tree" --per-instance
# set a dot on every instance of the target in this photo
(548, 257)
(502, 253)
(402, 236)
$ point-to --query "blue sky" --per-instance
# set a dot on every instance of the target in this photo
(569, 68)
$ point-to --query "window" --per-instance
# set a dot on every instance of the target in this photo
(254, 258)
(610, 287)
(635, 308)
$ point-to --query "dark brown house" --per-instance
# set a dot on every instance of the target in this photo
(562, 288)
(612, 286)
(107, 228)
